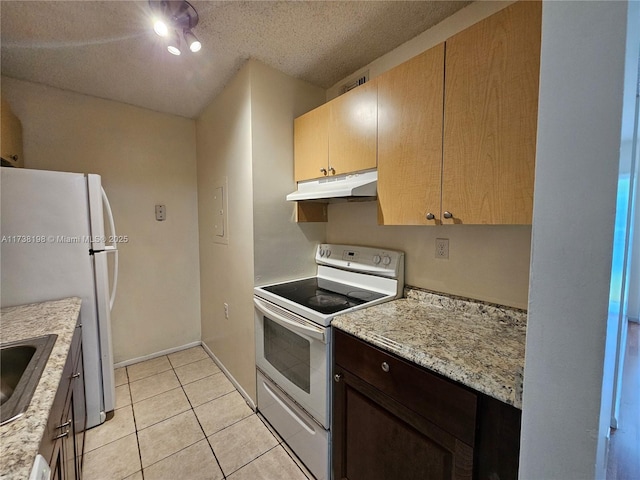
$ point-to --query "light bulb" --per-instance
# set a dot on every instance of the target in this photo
(195, 46)
(192, 40)
(160, 28)
(174, 44)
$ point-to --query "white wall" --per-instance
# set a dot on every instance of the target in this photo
(144, 158)
(246, 135)
(568, 371)
(489, 263)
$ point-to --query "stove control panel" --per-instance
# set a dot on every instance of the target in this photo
(377, 261)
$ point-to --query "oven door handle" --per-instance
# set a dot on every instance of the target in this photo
(316, 333)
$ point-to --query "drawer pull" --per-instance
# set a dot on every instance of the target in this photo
(385, 367)
(65, 424)
(337, 377)
(62, 435)
(75, 375)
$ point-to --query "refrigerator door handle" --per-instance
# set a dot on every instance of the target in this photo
(113, 248)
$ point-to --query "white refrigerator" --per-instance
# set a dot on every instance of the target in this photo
(55, 245)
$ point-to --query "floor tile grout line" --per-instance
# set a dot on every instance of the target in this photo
(142, 468)
(128, 383)
(282, 443)
(135, 426)
(254, 459)
(180, 384)
(202, 428)
(279, 441)
(172, 367)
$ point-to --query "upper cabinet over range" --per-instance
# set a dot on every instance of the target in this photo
(338, 137)
(456, 128)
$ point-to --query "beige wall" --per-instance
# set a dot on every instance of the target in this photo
(283, 249)
(144, 158)
(246, 135)
(223, 133)
(489, 263)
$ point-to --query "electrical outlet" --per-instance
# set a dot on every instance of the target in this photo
(161, 213)
(442, 248)
(226, 311)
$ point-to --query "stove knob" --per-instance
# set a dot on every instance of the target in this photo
(328, 253)
(321, 252)
(376, 259)
(386, 260)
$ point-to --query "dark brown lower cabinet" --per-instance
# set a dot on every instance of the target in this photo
(63, 442)
(395, 420)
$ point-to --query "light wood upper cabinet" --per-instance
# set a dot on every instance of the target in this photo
(410, 140)
(338, 137)
(311, 144)
(490, 118)
(11, 136)
(471, 161)
(353, 130)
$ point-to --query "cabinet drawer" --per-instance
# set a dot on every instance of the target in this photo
(442, 402)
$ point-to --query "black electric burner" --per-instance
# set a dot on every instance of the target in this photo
(323, 295)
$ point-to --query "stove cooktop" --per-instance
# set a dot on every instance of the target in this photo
(322, 295)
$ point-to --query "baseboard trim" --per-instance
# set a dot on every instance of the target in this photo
(151, 356)
(231, 378)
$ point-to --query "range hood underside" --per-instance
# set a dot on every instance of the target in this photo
(361, 185)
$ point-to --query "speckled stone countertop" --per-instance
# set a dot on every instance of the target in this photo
(20, 439)
(476, 344)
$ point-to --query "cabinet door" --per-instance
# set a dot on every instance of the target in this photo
(410, 140)
(375, 437)
(68, 443)
(79, 413)
(491, 104)
(311, 144)
(353, 130)
(57, 463)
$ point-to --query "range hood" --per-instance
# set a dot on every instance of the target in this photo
(360, 184)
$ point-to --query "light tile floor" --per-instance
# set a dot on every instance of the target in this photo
(178, 416)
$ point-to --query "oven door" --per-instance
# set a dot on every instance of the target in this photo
(294, 353)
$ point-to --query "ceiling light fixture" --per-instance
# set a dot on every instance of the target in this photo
(172, 18)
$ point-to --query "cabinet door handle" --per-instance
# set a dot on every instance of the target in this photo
(65, 424)
(337, 377)
(332, 170)
(75, 375)
(385, 367)
(447, 215)
(323, 171)
(430, 216)
(62, 435)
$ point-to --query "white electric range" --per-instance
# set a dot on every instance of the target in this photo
(293, 340)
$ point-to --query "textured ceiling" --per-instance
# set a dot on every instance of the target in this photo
(107, 48)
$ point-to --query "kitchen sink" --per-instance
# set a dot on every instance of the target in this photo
(21, 365)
